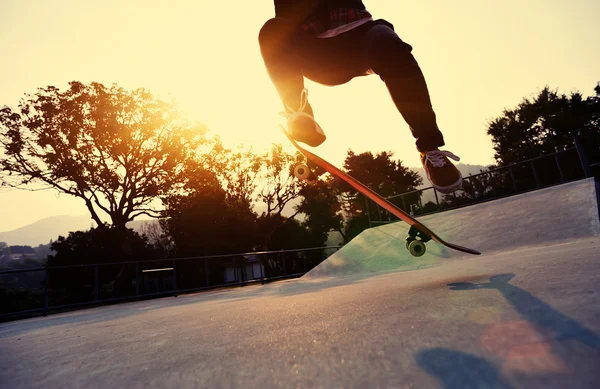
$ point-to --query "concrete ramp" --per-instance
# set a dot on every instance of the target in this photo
(547, 216)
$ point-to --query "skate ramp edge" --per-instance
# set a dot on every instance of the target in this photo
(560, 213)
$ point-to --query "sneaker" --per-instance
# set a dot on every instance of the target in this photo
(442, 174)
(301, 123)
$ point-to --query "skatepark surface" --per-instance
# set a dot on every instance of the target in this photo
(524, 314)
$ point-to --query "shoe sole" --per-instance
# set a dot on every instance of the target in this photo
(450, 188)
(312, 142)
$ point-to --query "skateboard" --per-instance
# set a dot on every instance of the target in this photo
(418, 233)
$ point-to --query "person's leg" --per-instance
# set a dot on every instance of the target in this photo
(389, 57)
(290, 55)
(279, 42)
(280, 45)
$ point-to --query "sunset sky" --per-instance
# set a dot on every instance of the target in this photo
(479, 57)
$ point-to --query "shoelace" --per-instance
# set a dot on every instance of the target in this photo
(303, 102)
(436, 157)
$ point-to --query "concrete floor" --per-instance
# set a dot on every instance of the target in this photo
(528, 318)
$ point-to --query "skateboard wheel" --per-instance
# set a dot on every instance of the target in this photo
(416, 248)
(302, 172)
(408, 241)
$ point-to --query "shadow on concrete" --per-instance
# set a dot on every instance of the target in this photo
(563, 354)
(534, 310)
(458, 370)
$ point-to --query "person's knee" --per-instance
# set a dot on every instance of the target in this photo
(273, 30)
(386, 51)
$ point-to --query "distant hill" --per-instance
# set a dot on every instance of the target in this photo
(44, 230)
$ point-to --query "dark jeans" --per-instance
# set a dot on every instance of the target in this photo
(291, 54)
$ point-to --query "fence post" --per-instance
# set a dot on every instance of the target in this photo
(490, 180)
(47, 276)
(243, 275)
(283, 262)
(562, 176)
(379, 213)
(368, 211)
(585, 164)
(537, 180)
(174, 279)
(137, 279)
(514, 181)
(206, 271)
(96, 286)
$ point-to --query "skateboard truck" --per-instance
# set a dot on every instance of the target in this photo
(415, 243)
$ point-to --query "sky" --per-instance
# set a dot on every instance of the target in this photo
(478, 56)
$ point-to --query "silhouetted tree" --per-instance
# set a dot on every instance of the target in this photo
(99, 245)
(21, 249)
(544, 125)
(382, 174)
(96, 246)
(204, 221)
(158, 237)
(237, 169)
(279, 188)
(321, 205)
(116, 150)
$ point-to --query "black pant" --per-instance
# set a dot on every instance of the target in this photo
(291, 54)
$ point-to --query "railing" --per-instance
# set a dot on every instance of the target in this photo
(40, 290)
(533, 174)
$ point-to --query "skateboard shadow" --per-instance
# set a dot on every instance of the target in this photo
(536, 311)
(455, 369)
(458, 370)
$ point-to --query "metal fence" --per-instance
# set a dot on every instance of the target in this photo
(537, 173)
(40, 290)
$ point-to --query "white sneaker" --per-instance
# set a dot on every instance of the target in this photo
(301, 123)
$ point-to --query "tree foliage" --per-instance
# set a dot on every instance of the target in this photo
(545, 124)
(215, 210)
(205, 220)
(279, 186)
(237, 169)
(157, 234)
(322, 207)
(100, 245)
(116, 150)
(381, 173)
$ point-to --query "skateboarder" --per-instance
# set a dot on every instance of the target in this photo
(333, 41)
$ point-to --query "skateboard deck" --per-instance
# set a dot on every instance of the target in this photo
(417, 229)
